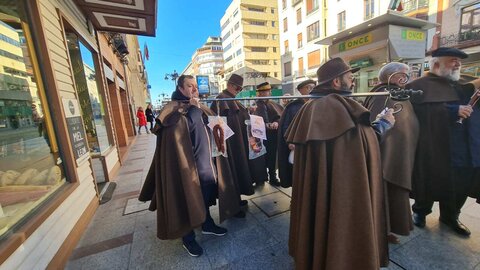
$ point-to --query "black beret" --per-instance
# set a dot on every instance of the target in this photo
(302, 84)
(444, 51)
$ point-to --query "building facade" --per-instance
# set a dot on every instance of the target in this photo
(460, 28)
(302, 23)
(58, 120)
(250, 41)
(207, 61)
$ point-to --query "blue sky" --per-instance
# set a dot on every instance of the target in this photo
(182, 27)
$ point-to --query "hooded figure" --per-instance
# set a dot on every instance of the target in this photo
(338, 210)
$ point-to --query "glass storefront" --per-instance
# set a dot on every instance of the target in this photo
(91, 101)
(31, 169)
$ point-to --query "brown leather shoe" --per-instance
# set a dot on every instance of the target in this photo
(456, 226)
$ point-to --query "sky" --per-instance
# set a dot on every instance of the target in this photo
(182, 27)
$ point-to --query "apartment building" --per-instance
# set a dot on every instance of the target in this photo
(206, 63)
(460, 28)
(370, 33)
(250, 41)
(302, 23)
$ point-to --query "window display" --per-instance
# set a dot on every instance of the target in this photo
(30, 166)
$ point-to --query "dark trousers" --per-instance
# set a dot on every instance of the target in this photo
(151, 124)
(208, 192)
(139, 127)
(449, 207)
(271, 146)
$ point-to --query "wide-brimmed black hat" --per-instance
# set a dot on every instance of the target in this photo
(264, 87)
(302, 84)
(332, 69)
(236, 80)
(444, 51)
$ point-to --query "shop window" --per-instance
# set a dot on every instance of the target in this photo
(89, 95)
(314, 59)
(31, 168)
(341, 21)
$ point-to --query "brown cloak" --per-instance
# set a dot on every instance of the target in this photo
(180, 207)
(338, 215)
(228, 196)
(237, 145)
(432, 167)
(172, 183)
(398, 153)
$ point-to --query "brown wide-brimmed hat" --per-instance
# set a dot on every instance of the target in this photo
(304, 83)
(264, 87)
(332, 69)
(236, 80)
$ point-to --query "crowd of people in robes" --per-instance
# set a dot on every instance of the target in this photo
(352, 167)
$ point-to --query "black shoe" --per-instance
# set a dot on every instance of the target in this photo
(193, 248)
(240, 214)
(243, 203)
(418, 220)
(274, 182)
(456, 226)
(215, 230)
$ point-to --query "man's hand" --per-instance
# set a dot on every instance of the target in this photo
(195, 101)
(388, 115)
(291, 146)
(274, 125)
(464, 111)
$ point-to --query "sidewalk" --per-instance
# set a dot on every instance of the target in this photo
(122, 234)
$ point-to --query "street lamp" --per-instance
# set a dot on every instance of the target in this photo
(172, 76)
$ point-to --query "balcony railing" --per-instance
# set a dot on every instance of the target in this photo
(411, 5)
(470, 36)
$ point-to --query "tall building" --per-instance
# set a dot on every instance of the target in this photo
(250, 39)
(302, 23)
(207, 61)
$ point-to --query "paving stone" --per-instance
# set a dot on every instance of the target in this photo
(261, 191)
(433, 250)
(237, 245)
(116, 258)
(273, 257)
(273, 204)
(134, 205)
(98, 231)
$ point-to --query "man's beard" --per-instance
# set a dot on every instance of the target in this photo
(344, 86)
(453, 75)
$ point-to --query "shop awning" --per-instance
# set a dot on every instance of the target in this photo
(391, 17)
(138, 17)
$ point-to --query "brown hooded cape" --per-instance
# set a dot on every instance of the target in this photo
(337, 213)
(398, 155)
(431, 177)
(172, 183)
(237, 145)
